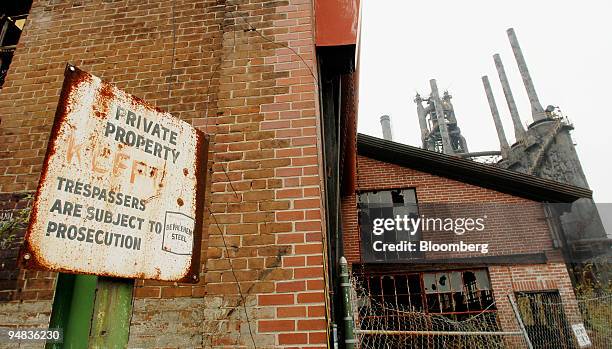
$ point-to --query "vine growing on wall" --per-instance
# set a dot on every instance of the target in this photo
(10, 228)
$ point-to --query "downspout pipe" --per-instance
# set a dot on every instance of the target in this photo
(349, 323)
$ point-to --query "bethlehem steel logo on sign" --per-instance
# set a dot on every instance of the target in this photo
(121, 191)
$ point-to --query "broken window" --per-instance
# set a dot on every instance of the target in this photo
(457, 294)
(374, 206)
(13, 16)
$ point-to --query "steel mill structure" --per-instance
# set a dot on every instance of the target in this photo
(544, 149)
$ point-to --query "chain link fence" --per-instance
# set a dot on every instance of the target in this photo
(545, 324)
(380, 324)
(597, 316)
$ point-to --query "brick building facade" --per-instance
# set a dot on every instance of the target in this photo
(522, 256)
(244, 72)
(274, 84)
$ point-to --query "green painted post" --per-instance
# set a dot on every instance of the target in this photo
(95, 312)
(61, 305)
(345, 285)
(72, 309)
(112, 313)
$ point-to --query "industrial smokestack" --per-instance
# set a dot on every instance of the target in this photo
(385, 122)
(503, 142)
(536, 108)
(519, 131)
(422, 121)
(446, 144)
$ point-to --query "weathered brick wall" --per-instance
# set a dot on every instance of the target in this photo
(527, 225)
(15, 283)
(507, 280)
(245, 85)
(25, 315)
(509, 223)
(11, 235)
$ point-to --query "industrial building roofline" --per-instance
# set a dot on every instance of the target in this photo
(467, 171)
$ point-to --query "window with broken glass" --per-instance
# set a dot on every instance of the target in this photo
(457, 294)
(386, 204)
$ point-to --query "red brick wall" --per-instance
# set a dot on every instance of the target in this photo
(35, 285)
(258, 100)
(530, 235)
(506, 280)
(507, 227)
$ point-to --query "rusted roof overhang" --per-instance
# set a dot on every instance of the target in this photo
(337, 22)
(467, 171)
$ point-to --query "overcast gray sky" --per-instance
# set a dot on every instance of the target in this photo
(567, 46)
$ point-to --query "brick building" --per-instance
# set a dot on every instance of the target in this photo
(523, 255)
(274, 84)
(252, 74)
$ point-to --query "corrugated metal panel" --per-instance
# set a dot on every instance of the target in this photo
(122, 188)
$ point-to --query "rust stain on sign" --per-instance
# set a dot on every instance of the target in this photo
(122, 188)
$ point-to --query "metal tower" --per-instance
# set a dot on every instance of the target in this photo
(546, 149)
(439, 129)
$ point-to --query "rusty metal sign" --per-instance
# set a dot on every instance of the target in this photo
(122, 188)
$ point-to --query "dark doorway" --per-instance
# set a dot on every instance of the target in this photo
(544, 319)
